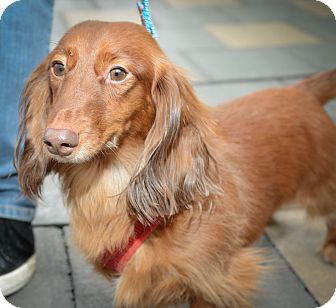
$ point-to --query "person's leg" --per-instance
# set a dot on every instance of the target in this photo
(24, 40)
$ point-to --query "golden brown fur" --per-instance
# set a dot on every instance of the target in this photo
(148, 147)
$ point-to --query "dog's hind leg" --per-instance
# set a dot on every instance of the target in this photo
(323, 204)
(328, 250)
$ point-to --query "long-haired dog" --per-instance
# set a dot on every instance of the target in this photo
(165, 194)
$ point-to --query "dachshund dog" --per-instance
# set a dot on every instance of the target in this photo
(166, 196)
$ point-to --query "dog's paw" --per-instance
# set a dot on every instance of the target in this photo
(328, 252)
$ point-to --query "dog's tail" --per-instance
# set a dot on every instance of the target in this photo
(322, 86)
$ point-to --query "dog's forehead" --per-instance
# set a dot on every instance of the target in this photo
(94, 35)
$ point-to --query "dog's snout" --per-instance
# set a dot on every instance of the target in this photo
(60, 141)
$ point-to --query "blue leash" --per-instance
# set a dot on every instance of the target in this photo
(146, 18)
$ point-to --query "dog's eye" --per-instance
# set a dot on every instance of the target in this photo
(117, 74)
(58, 68)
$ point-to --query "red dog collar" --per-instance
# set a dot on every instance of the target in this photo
(117, 260)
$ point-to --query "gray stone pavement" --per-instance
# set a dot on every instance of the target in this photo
(228, 48)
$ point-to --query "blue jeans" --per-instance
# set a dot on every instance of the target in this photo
(24, 41)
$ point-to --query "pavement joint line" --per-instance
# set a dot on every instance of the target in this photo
(291, 269)
(51, 225)
(210, 82)
(68, 262)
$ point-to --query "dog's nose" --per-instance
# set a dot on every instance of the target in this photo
(60, 141)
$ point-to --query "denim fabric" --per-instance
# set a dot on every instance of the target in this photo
(24, 41)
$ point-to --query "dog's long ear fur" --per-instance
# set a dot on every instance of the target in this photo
(175, 170)
(29, 159)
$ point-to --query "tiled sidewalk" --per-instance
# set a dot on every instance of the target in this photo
(229, 48)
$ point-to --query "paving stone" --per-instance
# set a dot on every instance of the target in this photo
(59, 27)
(66, 5)
(189, 68)
(331, 109)
(258, 11)
(191, 3)
(51, 209)
(280, 287)
(260, 34)
(236, 64)
(213, 95)
(75, 17)
(91, 290)
(321, 57)
(172, 18)
(50, 286)
(187, 39)
(117, 4)
(325, 29)
(299, 239)
(316, 8)
(249, 2)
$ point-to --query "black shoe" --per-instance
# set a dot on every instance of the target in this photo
(17, 255)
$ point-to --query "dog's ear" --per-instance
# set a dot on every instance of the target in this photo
(175, 170)
(30, 162)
